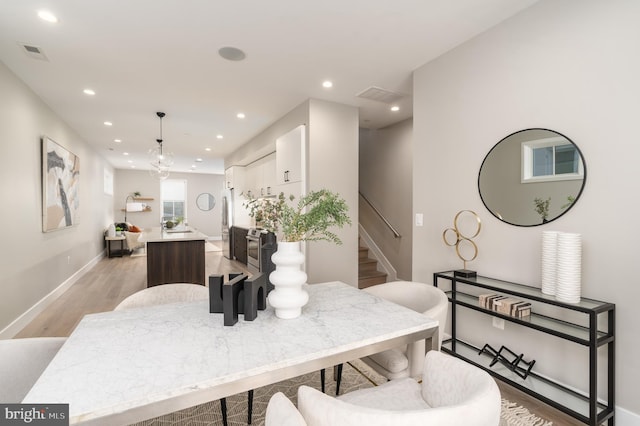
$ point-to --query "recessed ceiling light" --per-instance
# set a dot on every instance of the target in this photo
(89, 92)
(207, 149)
(108, 123)
(129, 161)
(133, 167)
(45, 15)
(198, 160)
(395, 108)
(219, 136)
(240, 115)
(117, 140)
(231, 53)
(327, 84)
(125, 153)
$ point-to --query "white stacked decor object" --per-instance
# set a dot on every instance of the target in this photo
(569, 267)
(288, 296)
(549, 262)
(111, 231)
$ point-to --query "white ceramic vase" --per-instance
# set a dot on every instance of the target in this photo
(288, 296)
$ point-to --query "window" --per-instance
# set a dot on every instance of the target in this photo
(550, 159)
(174, 199)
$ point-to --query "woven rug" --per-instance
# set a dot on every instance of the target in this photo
(355, 375)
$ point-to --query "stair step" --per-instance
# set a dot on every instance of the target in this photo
(363, 252)
(371, 278)
(367, 264)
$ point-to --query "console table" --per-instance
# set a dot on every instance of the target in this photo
(548, 316)
(110, 240)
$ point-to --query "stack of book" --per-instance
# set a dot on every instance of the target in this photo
(505, 305)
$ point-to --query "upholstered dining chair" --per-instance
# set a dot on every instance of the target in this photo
(23, 361)
(407, 361)
(452, 392)
(165, 293)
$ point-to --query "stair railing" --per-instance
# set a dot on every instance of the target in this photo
(381, 216)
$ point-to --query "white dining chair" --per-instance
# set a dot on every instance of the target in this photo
(452, 393)
(407, 360)
(165, 293)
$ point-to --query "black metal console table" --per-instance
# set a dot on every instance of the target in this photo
(548, 316)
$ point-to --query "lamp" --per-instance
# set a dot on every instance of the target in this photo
(160, 161)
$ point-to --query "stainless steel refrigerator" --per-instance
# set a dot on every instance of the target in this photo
(227, 223)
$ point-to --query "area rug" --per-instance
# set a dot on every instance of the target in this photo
(355, 375)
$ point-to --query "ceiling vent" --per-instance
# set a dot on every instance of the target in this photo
(33, 51)
(378, 94)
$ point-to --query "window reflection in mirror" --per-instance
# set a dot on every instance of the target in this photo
(532, 177)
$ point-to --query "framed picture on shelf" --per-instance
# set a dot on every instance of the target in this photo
(60, 186)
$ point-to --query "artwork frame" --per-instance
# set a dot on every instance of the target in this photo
(60, 186)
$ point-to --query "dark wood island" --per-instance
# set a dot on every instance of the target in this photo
(174, 256)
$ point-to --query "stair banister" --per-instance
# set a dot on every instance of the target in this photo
(381, 216)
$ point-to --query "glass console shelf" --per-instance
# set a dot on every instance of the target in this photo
(575, 322)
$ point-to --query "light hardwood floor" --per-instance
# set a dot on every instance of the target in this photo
(113, 279)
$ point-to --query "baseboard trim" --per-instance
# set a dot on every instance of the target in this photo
(626, 417)
(23, 320)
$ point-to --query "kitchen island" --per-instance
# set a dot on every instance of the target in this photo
(174, 255)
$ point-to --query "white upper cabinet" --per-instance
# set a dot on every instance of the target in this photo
(234, 178)
(260, 177)
(290, 156)
(251, 180)
(268, 173)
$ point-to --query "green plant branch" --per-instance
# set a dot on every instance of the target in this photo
(309, 220)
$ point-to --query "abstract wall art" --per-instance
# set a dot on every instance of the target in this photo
(60, 186)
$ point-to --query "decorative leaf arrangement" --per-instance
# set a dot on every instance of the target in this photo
(542, 207)
(308, 220)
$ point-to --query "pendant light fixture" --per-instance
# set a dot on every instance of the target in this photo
(160, 160)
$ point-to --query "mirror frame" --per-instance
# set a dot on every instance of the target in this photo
(584, 178)
(198, 201)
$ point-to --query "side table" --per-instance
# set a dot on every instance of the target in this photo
(109, 240)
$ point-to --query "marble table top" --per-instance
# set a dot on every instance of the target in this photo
(125, 366)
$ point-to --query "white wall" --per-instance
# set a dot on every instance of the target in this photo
(386, 179)
(129, 181)
(567, 65)
(332, 163)
(34, 263)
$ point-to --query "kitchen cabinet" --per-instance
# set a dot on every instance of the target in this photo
(260, 177)
(251, 181)
(267, 176)
(234, 178)
(290, 155)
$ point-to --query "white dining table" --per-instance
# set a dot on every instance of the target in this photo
(125, 366)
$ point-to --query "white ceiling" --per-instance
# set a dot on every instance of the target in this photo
(144, 56)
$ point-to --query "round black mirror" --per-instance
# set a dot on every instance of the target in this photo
(532, 177)
(205, 201)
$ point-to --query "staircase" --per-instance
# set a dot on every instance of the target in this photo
(368, 273)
